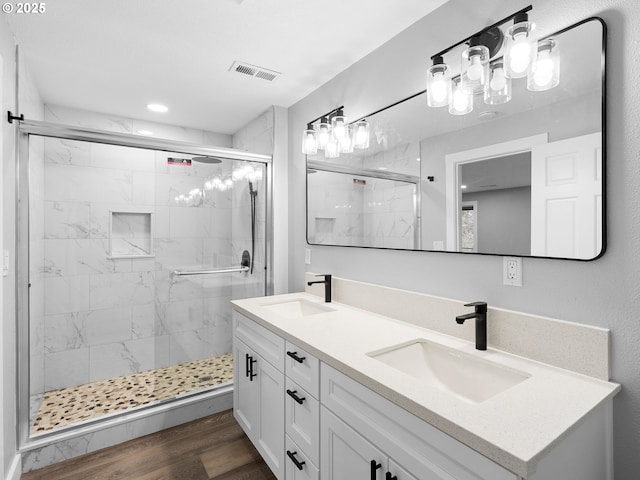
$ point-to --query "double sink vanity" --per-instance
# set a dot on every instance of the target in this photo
(331, 391)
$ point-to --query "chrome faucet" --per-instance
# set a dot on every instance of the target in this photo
(327, 286)
(480, 314)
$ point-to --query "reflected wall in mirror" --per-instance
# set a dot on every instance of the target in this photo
(524, 178)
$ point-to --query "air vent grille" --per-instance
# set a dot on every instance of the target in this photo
(254, 71)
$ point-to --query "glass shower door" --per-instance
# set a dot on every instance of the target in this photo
(134, 257)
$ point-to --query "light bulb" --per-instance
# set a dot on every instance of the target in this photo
(475, 71)
(439, 87)
(323, 137)
(544, 69)
(460, 101)
(339, 130)
(520, 55)
(361, 135)
(498, 81)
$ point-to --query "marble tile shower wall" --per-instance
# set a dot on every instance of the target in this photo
(103, 317)
(379, 213)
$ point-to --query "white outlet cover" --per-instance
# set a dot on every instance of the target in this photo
(512, 271)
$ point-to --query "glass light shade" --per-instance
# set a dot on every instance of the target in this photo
(339, 127)
(460, 102)
(332, 148)
(544, 73)
(499, 86)
(519, 49)
(475, 69)
(309, 142)
(361, 134)
(437, 86)
(346, 142)
(323, 133)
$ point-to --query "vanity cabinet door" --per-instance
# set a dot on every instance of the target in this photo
(258, 404)
(398, 473)
(246, 406)
(345, 455)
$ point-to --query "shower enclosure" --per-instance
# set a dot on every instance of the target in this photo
(131, 249)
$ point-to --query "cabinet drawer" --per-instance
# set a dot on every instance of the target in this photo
(415, 445)
(302, 420)
(303, 368)
(302, 471)
(265, 343)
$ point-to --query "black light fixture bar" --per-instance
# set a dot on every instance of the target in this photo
(326, 115)
(497, 24)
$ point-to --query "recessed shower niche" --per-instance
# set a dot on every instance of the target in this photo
(130, 234)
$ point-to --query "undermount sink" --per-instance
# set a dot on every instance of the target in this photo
(297, 308)
(466, 376)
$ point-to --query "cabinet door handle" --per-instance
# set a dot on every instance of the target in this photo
(374, 467)
(295, 356)
(246, 365)
(293, 395)
(292, 456)
(251, 374)
(391, 477)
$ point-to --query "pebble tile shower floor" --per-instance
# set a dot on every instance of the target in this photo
(71, 405)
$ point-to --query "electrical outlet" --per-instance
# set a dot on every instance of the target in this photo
(307, 256)
(512, 271)
(5, 263)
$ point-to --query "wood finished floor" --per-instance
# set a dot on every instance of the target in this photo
(211, 448)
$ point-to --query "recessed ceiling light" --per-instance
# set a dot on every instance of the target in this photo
(156, 107)
(463, 186)
(145, 132)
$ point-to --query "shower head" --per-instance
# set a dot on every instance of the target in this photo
(210, 160)
(252, 192)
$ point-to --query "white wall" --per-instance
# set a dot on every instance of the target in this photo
(31, 106)
(605, 292)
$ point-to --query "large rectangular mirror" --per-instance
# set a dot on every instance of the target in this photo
(523, 178)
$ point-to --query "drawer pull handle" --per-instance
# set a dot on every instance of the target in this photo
(292, 456)
(293, 395)
(374, 466)
(295, 356)
(391, 477)
(251, 374)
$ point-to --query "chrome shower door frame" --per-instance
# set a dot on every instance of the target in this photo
(45, 129)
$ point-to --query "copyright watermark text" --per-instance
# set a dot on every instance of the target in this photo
(27, 8)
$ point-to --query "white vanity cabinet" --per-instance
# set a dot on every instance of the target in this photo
(258, 400)
(359, 427)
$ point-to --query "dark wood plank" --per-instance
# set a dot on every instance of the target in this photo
(176, 453)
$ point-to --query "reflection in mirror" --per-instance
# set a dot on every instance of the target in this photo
(523, 178)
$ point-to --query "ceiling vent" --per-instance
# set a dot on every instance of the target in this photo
(254, 71)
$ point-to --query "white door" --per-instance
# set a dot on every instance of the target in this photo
(345, 455)
(566, 198)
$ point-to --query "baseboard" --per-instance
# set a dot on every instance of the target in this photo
(16, 468)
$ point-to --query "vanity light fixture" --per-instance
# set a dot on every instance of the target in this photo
(332, 133)
(499, 85)
(437, 83)
(339, 125)
(544, 72)
(361, 134)
(309, 141)
(460, 101)
(475, 67)
(489, 62)
(520, 47)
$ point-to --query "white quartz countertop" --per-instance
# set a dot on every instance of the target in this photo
(514, 428)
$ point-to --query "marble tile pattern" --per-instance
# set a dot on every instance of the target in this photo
(96, 317)
(73, 405)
